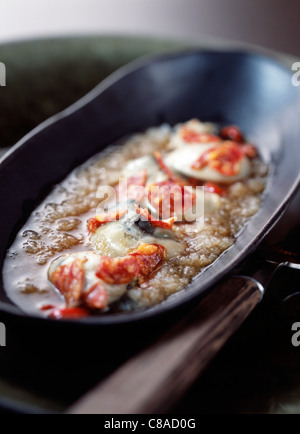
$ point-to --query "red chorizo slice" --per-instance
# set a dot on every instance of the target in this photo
(96, 296)
(225, 158)
(117, 270)
(232, 132)
(140, 263)
(69, 313)
(69, 280)
(191, 136)
(101, 219)
(166, 224)
(170, 198)
(133, 188)
(150, 258)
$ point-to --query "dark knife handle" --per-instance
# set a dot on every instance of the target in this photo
(155, 379)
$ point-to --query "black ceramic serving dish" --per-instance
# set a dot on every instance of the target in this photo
(250, 90)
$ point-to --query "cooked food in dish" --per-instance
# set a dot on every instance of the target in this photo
(136, 223)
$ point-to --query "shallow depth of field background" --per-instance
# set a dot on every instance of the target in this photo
(269, 23)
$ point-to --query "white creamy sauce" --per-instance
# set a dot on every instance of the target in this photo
(118, 238)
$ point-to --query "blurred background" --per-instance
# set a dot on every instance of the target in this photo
(270, 23)
(45, 75)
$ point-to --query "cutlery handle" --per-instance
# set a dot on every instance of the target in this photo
(153, 380)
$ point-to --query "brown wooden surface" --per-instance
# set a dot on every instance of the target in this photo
(154, 380)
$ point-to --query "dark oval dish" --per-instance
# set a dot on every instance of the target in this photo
(250, 90)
